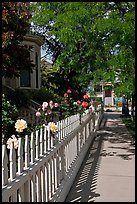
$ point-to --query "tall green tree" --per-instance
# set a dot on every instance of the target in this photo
(15, 24)
(97, 40)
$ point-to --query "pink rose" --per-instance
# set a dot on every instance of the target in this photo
(44, 105)
(51, 102)
(68, 91)
(66, 101)
(78, 102)
(56, 105)
(49, 112)
(65, 95)
(38, 114)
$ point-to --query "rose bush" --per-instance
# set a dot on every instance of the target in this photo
(47, 112)
(70, 107)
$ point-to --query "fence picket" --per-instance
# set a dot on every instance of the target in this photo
(20, 156)
(37, 144)
(47, 168)
(27, 156)
(21, 194)
(32, 148)
(41, 141)
(45, 139)
(4, 165)
(48, 129)
(14, 197)
(42, 183)
(12, 159)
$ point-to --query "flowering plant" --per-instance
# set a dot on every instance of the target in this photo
(20, 125)
(53, 127)
(47, 112)
(68, 106)
(9, 114)
(71, 107)
(13, 140)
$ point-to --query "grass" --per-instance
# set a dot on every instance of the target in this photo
(130, 124)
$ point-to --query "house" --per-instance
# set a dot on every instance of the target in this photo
(28, 80)
(103, 91)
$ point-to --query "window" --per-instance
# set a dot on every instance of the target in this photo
(25, 78)
(108, 93)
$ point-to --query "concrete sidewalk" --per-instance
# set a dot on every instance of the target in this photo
(108, 170)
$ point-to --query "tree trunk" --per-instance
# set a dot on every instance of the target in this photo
(127, 108)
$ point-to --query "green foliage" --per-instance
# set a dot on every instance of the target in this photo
(9, 115)
(15, 25)
(44, 94)
(98, 41)
(68, 105)
(47, 74)
(18, 97)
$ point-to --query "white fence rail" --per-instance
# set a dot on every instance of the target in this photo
(42, 168)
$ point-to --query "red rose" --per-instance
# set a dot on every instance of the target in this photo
(85, 104)
(85, 97)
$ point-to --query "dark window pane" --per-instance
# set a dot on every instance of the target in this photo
(25, 78)
(108, 93)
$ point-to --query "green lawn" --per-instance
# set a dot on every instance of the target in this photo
(130, 124)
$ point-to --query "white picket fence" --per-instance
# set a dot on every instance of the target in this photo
(43, 167)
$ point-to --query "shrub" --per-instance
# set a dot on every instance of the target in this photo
(18, 97)
(9, 115)
(44, 94)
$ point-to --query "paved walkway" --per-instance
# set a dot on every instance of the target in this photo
(108, 171)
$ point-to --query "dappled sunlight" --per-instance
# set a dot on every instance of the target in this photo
(84, 187)
(112, 141)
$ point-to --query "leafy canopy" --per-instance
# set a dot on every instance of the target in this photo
(15, 24)
(96, 40)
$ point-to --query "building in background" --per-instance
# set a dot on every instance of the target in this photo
(27, 79)
(103, 91)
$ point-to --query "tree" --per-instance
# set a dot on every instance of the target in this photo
(15, 24)
(97, 40)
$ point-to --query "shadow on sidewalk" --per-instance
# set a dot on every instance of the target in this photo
(83, 189)
(118, 136)
(113, 130)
